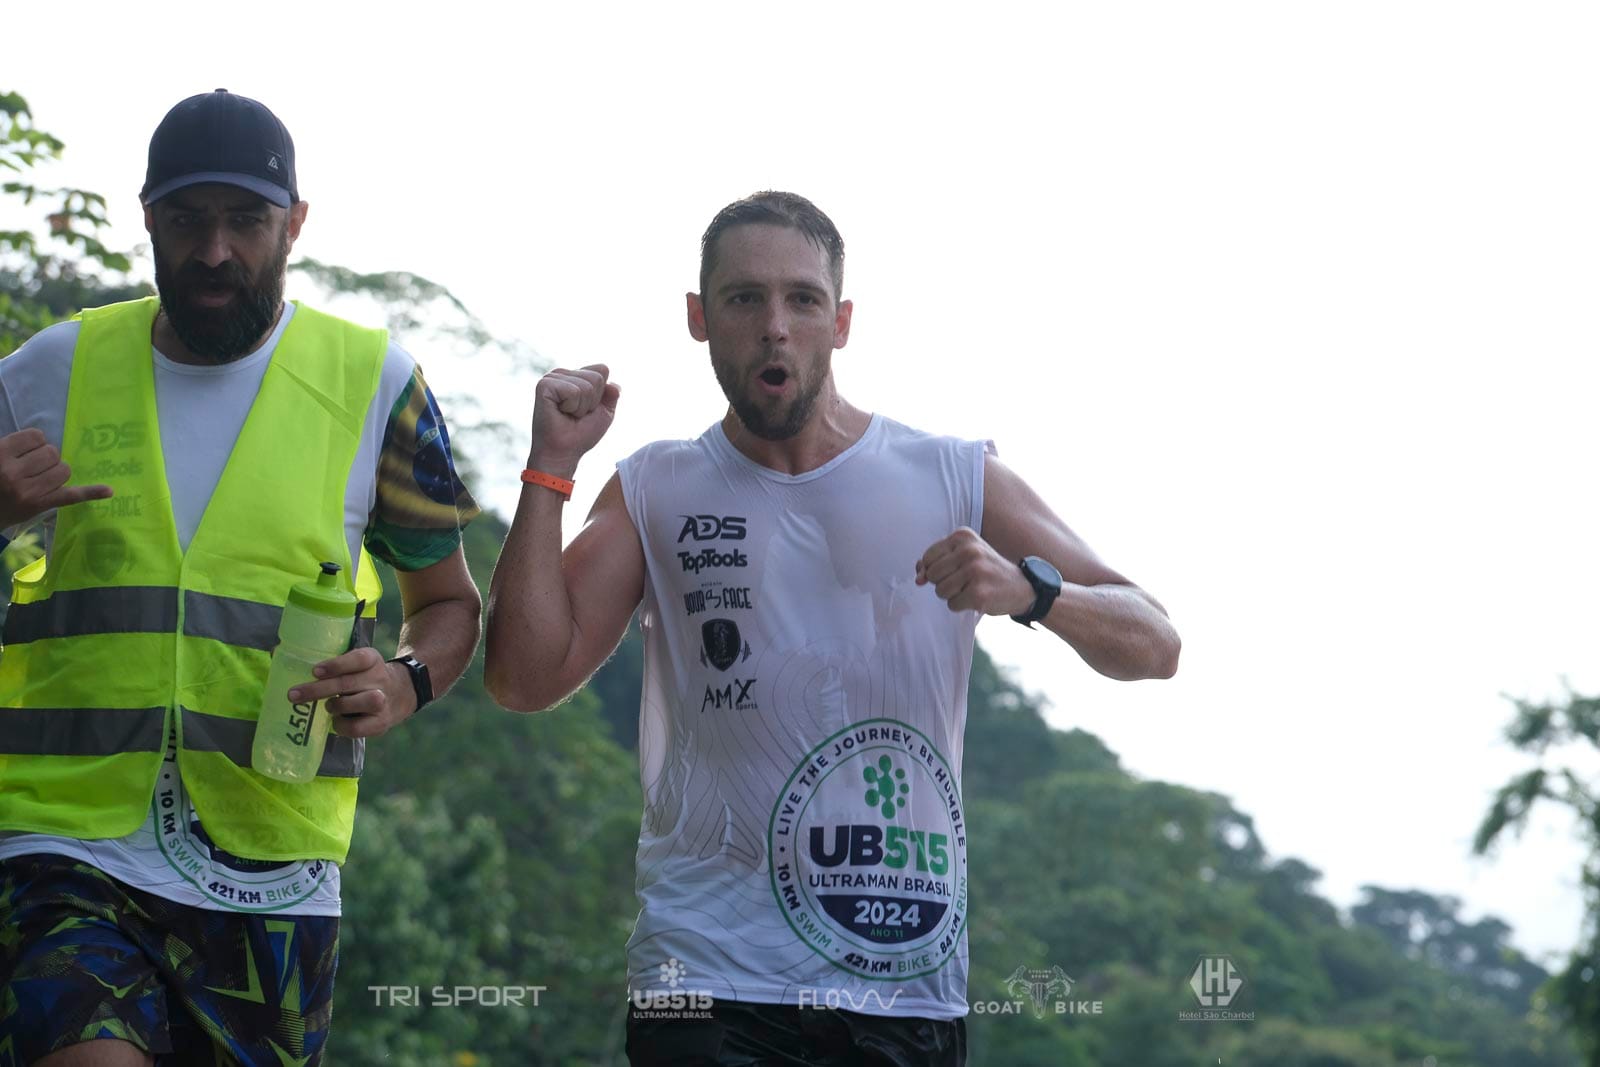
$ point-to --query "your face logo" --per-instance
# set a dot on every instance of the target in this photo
(717, 598)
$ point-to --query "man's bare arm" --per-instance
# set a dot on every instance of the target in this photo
(555, 616)
(1119, 629)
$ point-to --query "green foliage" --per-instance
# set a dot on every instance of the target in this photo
(1537, 728)
(43, 279)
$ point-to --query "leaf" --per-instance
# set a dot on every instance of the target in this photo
(1510, 808)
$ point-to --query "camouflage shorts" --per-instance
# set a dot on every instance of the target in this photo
(84, 956)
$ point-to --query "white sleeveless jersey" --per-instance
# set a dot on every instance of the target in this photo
(800, 730)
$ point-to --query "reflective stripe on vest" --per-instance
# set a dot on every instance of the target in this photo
(81, 731)
(343, 758)
(123, 629)
(109, 731)
(153, 609)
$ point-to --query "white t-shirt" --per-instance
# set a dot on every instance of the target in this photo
(201, 410)
(801, 723)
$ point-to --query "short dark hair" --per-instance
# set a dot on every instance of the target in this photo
(773, 208)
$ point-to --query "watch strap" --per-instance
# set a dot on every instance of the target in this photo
(421, 683)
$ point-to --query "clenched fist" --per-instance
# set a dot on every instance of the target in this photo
(969, 575)
(33, 479)
(572, 410)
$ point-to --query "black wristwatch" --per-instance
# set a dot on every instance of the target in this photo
(1046, 582)
(419, 678)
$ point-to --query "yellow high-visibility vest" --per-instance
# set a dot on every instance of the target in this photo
(122, 635)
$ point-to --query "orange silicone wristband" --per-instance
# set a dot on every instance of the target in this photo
(549, 481)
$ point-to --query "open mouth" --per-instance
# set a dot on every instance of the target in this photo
(775, 376)
(213, 294)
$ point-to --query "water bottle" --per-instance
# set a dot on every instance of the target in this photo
(315, 626)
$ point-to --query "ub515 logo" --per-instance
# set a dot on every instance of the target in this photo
(712, 528)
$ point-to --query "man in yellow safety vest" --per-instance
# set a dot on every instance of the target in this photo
(185, 460)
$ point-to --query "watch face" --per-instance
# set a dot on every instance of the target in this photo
(1042, 572)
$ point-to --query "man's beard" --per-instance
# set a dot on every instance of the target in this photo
(222, 334)
(787, 423)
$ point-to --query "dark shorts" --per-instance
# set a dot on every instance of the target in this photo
(770, 1035)
(84, 956)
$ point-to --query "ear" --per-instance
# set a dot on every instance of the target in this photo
(697, 317)
(841, 324)
(297, 219)
(150, 220)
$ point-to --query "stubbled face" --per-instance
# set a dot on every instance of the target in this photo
(771, 321)
(221, 253)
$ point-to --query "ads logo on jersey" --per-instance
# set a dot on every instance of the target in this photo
(706, 558)
(720, 644)
(712, 528)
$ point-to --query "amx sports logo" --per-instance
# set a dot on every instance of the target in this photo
(695, 562)
(734, 696)
(712, 528)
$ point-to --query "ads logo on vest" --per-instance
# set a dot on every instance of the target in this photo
(719, 644)
(105, 436)
(873, 879)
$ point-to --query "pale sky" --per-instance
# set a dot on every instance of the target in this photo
(1287, 308)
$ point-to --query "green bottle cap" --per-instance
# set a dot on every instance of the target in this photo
(324, 596)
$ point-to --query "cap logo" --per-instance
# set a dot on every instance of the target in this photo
(272, 162)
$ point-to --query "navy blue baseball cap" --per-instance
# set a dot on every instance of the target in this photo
(221, 137)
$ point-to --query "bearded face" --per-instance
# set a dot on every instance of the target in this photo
(756, 393)
(221, 313)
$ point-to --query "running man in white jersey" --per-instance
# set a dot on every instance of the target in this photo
(808, 578)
